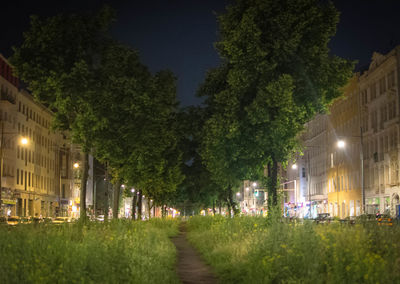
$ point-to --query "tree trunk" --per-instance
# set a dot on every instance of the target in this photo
(231, 202)
(272, 183)
(139, 213)
(214, 207)
(219, 206)
(134, 202)
(85, 169)
(116, 192)
(229, 205)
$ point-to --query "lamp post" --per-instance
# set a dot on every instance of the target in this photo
(341, 145)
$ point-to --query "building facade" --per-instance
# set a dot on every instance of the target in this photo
(36, 175)
(344, 179)
(379, 96)
(362, 176)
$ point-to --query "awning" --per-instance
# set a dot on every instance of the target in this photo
(9, 201)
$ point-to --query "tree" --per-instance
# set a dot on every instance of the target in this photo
(198, 190)
(277, 73)
(58, 60)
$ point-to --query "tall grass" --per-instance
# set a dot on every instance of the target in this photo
(254, 250)
(114, 252)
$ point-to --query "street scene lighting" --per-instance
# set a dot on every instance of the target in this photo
(238, 193)
(132, 190)
(76, 165)
(247, 189)
(341, 144)
(24, 141)
(254, 184)
(294, 166)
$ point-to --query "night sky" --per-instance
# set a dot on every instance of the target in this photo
(179, 34)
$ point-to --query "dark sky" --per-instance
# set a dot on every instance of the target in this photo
(179, 34)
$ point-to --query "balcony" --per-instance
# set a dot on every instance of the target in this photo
(7, 97)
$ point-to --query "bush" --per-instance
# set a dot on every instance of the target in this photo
(114, 252)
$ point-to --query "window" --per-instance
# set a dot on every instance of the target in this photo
(17, 176)
(22, 177)
(382, 85)
(373, 91)
(303, 172)
(391, 80)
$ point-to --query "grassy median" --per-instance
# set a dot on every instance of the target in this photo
(260, 250)
(114, 252)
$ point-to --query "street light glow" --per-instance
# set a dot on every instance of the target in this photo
(254, 184)
(294, 166)
(123, 185)
(238, 193)
(24, 141)
(76, 165)
(132, 190)
(341, 144)
(247, 189)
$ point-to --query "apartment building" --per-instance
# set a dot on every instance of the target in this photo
(36, 173)
(379, 96)
(344, 179)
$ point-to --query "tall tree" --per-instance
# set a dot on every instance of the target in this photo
(277, 73)
(58, 60)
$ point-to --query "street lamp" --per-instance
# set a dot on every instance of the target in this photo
(76, 165)
(294, 167)
(341, 144)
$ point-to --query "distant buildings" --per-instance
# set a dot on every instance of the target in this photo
(329, 179)
(37, 177)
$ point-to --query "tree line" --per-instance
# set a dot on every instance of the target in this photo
(276, 73)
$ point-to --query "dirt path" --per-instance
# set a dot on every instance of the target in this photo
(191, 268)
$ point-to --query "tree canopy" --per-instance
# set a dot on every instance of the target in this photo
(277, 73)
(106, 98)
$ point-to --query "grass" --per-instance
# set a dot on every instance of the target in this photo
(114, 252)
(258, 250)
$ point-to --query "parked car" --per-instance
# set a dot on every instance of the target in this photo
(384, 220)
(323, 218)
(61, 220)
(13, 220)
(25, 220)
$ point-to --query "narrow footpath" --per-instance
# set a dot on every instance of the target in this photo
(190, 267)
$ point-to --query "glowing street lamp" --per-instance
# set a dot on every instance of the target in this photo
(24, 141)
(294, 167)
(247, 189)
(238, 194)
(76, 165)
(341, 144)
(132, 190)
(254, 184)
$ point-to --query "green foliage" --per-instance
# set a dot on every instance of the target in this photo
(277, 73)
(116, 252)
(259, 250)
(108, 101)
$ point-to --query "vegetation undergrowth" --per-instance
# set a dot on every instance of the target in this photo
(112, 252)
(267, 250)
